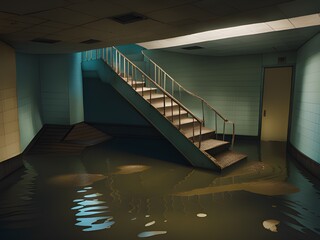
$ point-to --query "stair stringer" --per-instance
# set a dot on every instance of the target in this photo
(190, 151)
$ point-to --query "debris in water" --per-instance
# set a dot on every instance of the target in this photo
(271, 225)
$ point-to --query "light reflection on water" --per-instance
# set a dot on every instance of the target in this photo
(116, 192)
(87, 208)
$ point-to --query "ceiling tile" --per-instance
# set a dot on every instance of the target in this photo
(99, 8)
(65, 16)
(300, 8)
(81, 33)
(254, 4)
(216, 7)
(30, 6)
(12, 26)
(27, 19)
(147, 6)
(180, 13)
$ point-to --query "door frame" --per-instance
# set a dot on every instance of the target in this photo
(291, 97)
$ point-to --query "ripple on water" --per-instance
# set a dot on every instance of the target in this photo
(151, 233)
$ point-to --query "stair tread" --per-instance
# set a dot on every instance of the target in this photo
(167, 104)
(184, 120)
(139, 89)
(188, 132)
(155, 96)
(211, 143)
(135, 82)
(228, 158)
(175, 113)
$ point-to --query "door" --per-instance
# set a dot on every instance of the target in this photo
(276, 103)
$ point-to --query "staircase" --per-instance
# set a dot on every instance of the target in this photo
(159, 92)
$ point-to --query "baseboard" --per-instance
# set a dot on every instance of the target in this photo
(312, 166)
(10, 165)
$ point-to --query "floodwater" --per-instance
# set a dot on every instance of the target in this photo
(131, 189)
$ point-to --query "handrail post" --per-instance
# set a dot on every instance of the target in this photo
(200, 136)
(179, 117)
(224, 129)
(202, 113)
(233, 133)
(171, 110)
(193, 130)
(164, 104)
(216, 124)
(116, 62)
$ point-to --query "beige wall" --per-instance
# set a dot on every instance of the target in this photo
(9, 125)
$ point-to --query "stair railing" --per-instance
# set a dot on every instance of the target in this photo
(133, 74)
(178, 91)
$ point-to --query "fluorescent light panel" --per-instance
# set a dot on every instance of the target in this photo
(243, 30)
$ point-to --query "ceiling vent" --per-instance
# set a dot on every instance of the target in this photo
(129, 18)
(45, 40)
(192, 48)
(91, 41)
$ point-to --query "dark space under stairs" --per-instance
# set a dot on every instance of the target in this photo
(66, 140)
(217, 151)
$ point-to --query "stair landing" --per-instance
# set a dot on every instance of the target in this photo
(228, 158)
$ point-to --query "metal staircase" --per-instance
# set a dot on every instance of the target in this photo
(206, 130)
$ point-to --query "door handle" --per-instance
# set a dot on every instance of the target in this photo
(264, 113)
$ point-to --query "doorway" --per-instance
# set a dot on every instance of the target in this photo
(276, 103)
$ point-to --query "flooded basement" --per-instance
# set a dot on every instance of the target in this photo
(120, 190)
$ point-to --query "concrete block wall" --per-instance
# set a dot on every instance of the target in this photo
(305, 130)
(9, 124)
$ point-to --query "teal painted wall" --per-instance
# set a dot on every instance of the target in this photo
(230, 84)
(28, 92)
(103, 104)
(61, 88)
(305, 131)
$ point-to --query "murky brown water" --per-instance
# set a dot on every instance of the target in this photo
(117, 190)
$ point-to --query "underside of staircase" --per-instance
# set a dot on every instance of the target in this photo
(199, 144)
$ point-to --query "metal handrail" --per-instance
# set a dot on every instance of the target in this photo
(203, 101)
(100, 53)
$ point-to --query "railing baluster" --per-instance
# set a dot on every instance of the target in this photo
(202, 113)
(171, 110)
(193, 130)
(179, 118)
(224, 129)
(164, 104)
(216, 123)
(200, 136)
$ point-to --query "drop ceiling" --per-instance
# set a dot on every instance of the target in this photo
(74, 22)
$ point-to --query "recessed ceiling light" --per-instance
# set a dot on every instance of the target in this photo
(45, 40)
(90, 41)
(192, 48)
(129, 18)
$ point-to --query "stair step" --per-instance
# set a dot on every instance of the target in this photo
(205, 132)
(210, 144)
(135, 84)
(184, 121)
(175, 114)
(155, 97)
(159, 105)
(145, 90)
(228, 158)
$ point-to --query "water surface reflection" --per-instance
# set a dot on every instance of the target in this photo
(118, 190)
